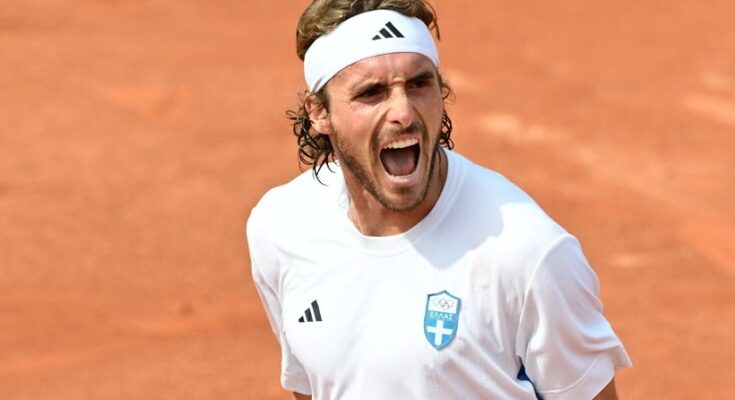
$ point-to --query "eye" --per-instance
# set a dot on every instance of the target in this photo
(370, 94)
(370, 91)
(420, 83)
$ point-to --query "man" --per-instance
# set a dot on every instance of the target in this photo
(403, 270)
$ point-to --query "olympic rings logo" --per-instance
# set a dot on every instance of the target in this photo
(443, 303)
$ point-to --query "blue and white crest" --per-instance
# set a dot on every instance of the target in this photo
(441, 319)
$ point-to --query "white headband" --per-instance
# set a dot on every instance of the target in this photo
(365, 35)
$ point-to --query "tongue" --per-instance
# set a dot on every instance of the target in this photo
(399, 162)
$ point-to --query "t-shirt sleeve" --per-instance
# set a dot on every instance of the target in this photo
(265, 271)
(566, 345)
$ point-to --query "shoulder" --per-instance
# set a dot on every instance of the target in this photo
(511, 222)
(287, 216)
(292, 214)
(507, 233)
(290, 205)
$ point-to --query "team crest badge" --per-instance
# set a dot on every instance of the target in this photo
(441, 319)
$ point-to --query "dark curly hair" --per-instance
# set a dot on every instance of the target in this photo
(322, 16)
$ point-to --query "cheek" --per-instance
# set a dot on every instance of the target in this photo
(434, 116)
(357, 122)
(354, 131)
(433, 106)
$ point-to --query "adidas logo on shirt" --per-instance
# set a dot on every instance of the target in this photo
(389, 31)
(312, 314)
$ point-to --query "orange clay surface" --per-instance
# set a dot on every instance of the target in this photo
(135, 136)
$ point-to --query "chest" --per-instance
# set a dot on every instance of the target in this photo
(395, 319)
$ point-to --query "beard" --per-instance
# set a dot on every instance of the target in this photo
(349, 160)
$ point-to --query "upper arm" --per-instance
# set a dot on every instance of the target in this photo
(266, 272)
(299, 396)
(566, 345)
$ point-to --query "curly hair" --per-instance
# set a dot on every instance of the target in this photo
(321, 17)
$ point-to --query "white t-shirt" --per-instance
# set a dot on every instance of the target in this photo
(485, 285)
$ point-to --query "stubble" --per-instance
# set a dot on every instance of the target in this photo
(349, 161)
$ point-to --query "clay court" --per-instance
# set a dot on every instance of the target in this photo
(135, 137)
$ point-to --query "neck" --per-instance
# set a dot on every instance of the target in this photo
(372, 219)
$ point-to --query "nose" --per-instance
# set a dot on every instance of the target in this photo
(400, 109)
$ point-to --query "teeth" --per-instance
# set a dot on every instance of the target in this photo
(402, 143)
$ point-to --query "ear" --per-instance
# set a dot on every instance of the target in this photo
(318, 115)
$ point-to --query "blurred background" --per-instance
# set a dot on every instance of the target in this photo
(135, 137)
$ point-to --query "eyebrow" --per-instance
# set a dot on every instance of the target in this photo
(365, 86)
(424, 75)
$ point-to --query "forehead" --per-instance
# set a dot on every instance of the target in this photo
(383, 68)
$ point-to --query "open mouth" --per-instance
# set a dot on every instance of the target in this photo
(400, 158)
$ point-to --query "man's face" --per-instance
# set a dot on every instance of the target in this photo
(384, 122)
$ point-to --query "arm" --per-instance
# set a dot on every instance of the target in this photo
(299, 396)
(266, 271)
(608, 393)
(576, 340)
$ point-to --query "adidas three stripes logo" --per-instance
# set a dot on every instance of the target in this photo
(389, 31)
(312, 314)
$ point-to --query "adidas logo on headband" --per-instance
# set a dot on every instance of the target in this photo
(386, 34)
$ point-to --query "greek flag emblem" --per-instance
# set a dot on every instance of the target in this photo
(441, 319)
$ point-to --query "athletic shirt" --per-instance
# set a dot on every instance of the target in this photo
(485, 298)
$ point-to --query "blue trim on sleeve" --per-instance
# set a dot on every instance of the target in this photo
(523, 377)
